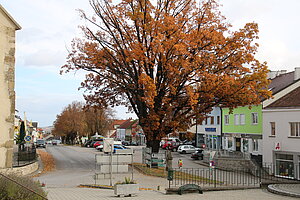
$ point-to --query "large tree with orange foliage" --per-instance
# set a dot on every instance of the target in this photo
(169, 61)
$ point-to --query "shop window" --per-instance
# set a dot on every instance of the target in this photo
(242, 119)
(245, 145)
(206, 121)
(272, 128)
(254, 118)
(255, 145)
(229, 143)
(285, 165)
(295, 129)
(236, 119)
(212, 120)
(226, 119)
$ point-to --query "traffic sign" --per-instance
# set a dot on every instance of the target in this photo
(28, 138)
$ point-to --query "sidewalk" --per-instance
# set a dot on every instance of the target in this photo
(105, 194)
(149, 191)
(292, 190)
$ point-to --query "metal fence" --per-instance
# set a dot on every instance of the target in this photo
(214, 177)
(24, 157)
(12, 188)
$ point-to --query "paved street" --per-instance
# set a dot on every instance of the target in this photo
(75, 166)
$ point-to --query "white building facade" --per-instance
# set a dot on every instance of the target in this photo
(281, 130)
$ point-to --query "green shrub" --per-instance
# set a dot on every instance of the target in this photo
(127, 181)
(9, 190)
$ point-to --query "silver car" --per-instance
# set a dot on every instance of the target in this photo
(186, 149)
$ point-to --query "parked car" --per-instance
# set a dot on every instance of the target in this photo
(100, 147)
(193, 142)
(170, 145)
(49, 142)
(125, 143)
(98, 143)
(117, 146)
(197, 155)
(93, 142)
(40, 143)
(187, 149)
(56, 142)
(170, 139)
(87, 143)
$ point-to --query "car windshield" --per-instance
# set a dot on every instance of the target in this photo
(40, 141)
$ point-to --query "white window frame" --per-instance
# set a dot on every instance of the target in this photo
(271, 124)
(254, 117)
(242, 119)
(295, 129)
(236, 119)
(226, 119)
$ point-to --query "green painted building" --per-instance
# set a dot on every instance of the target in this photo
(242, 129)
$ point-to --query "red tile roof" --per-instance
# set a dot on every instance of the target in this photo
(291, 99)
(115, 122)
(127, 124)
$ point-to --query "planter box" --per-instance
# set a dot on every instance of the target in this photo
(126, 189)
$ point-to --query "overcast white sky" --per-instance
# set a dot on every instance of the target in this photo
(48, 27)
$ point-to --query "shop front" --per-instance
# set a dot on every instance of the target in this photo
(287, 165)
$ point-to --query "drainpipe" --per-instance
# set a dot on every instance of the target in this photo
(221, 127)
(196, 138)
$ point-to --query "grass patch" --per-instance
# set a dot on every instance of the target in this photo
(161, 172)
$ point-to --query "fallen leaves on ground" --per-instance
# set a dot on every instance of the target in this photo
(47, 160)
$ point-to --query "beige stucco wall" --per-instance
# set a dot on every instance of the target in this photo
(7, 93)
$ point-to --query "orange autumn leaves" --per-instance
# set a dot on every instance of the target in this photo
(169, 61)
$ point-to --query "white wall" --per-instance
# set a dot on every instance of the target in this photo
(281, 117)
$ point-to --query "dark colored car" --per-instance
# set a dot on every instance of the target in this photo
(125, 143)
(187, 142)
(87, 143)
(40, 143)
(198, 155)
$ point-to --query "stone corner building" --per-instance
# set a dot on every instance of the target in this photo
(8, 28)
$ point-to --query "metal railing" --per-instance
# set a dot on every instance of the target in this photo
(244, 178)
(15, 189)
(24, 157)
(213, 177)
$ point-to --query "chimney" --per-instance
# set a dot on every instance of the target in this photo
(274, 74)
(297, 73)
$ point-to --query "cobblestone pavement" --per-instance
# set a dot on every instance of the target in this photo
(103, 194)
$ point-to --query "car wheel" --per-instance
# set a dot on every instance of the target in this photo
(184, 152)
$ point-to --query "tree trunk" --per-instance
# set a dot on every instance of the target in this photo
(154, 145)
